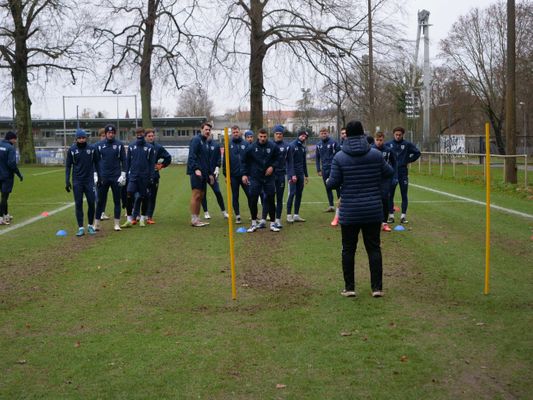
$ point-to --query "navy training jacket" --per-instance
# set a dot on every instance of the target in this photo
(141, 159)
(110, 159)
(296, 159)
(161, 154)
(405, 153)
(8, 161)
(82, 162)
(281, 163)
(325, 151)
(198, 156)
(358, 171)
(237, 148)
(258, 158)
(215, 158)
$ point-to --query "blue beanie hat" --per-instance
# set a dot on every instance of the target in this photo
(248, 133)
(80, 133)
(278, 128)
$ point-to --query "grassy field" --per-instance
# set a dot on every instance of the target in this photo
(147, 312)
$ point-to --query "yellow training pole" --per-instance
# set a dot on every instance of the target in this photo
(487, 208)
(230, 215)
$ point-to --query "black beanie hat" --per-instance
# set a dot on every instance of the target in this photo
(354, 128)
(11, 135)
(110, 128)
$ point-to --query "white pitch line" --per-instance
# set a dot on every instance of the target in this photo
(47, 172)
(481, 203)
(34, 219)
(44, 204)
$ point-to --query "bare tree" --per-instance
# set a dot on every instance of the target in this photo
(305, 30)
(35, 40)
(157, 39)
(476, 51)
(195, 101)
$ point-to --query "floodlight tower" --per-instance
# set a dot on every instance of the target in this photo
(423, 26)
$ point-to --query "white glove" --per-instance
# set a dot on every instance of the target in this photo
(122, 179)
(95, 178)
(217, 172)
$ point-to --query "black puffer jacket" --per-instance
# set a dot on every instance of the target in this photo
(358, 171)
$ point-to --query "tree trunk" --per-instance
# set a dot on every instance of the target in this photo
(23, 117)
(257, 56)
(146, 66)
(21, 95)
(510, 96)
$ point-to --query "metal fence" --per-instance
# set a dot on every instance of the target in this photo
(439, 160)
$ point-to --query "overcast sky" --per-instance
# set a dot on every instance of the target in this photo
(443, 13)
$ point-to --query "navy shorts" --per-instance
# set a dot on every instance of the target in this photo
(6, 186)
(198, 182)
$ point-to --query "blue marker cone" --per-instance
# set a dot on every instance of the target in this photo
(241, 230)
(399, 228)
(61, 232)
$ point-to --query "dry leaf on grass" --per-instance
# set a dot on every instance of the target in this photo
(346, 333)
(403, 358)
(280, 386)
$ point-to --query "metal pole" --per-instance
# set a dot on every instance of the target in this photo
(427, 83)
(77, 117)
(64, 129)
(136, 123)
(118, 121)
(525, 170)
(453, 164)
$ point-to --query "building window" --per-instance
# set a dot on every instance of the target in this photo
(168, 132)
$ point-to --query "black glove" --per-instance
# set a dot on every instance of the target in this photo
(20, 176)
(67, 187)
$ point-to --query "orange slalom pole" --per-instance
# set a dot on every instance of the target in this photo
(487, 208)
(230, 216)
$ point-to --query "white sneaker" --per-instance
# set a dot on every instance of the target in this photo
(262, 224)
(297, 218)
(238, 219)
(253, 228)
(2, 222)
(289, 218)
(96, 225)
(348, 293)
(273, 227)
(206, 215)
(104, 217)
(225, 214)
(117, 227)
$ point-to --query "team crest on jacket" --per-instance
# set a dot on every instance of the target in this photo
(282, 149)
(268, 151)
(114, 147)
(242, 146)
(88, 151)
(402, 146)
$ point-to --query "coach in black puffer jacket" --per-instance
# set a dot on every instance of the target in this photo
(358, 170)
